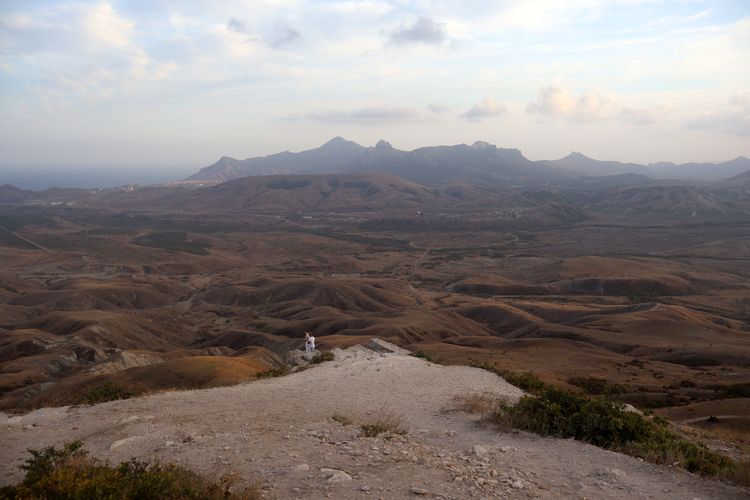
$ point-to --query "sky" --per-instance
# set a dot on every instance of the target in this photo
(171, 85)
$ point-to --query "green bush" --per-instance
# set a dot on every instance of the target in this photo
(273, 372)
(321, 357)
(593, 385)
(528, 381)
(604, 422)
(71, 474)
(108, 391)
(423, 355)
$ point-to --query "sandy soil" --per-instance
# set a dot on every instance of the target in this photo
(279, 433)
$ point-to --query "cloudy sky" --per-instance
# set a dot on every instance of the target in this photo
(178, 83)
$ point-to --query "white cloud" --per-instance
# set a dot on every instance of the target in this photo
(559, 102)
(106, 26)
(488, 108)
(552, 100)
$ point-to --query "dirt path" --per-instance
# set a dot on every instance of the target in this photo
(26, 240)
(280, 432)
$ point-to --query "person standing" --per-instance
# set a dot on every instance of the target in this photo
(309, 342)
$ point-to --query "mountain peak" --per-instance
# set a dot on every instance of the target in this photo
(383, 144)
(577, 155)
(482, 145)
(338, 142)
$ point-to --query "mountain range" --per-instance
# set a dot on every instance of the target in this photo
(478, 162)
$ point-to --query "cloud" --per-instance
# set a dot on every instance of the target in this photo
(104, 25)
(438, 108)
(278, 38)
(559, 102)
(368, 116)
(284, 35)
(238, 26)
(424, 30)
(734, 118)
(488, 108)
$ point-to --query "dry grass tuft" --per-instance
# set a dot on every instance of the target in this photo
(477, 403)
(384, 422)
(342, 419)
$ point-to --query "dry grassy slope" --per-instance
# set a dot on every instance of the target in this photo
(283, 194)
(237, 315)
(280, 432)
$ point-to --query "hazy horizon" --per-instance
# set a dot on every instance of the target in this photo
(107, 83)
(37, 177)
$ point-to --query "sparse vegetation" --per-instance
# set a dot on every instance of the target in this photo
(736, 391)
(321, 357)
(69, 473)
(604, 422)
(178, 241)
(528, 381)
(636, 362)
(273, 372)
(384, 422)
(597, 386)
(342, 419)
(107, 391)
(484, 403)
(423, 355)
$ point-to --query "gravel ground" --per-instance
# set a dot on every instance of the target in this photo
(279, 434)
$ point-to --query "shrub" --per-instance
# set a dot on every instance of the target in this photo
(423, 355)
(384, 422)
(321, 357)
(108, 391)
(70, 473)
(603, 422)
(528, 381)
(273, 372)
(636, 362)
(341, 419)
(593, 385)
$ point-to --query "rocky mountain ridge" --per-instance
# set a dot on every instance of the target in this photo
(478, 162)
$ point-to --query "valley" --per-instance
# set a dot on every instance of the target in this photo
(639, 290)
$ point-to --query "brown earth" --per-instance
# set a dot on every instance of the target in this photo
(660, 306)
(299, 436)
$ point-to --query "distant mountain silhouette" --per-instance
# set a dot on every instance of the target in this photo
(741, 181)
(330, 157)
(579, 163)
(478, 162)
(12, 194)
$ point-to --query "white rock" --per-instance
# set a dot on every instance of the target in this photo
(479, 451)
(418, 491)
(122, 442)
(299, 468)
(334, 476)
